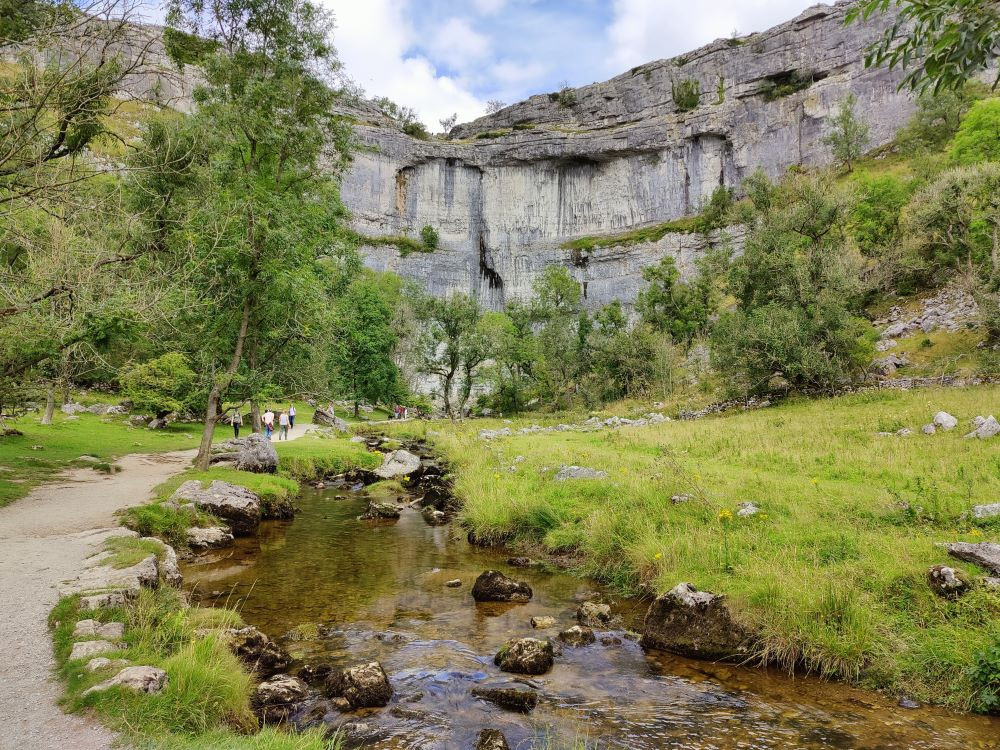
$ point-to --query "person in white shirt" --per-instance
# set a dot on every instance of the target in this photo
(283, 426)
(291, 416)
(268, 420)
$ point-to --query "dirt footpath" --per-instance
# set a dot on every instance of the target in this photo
(43, 539)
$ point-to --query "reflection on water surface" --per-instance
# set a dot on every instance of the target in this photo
(332, 589)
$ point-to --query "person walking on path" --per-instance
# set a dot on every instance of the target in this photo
(237, 423)
(291, 416)
(283, 420)
(268, 419)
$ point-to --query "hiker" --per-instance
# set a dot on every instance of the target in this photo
(268, 419)
(283, 420)
(291, 416)
(237, 423)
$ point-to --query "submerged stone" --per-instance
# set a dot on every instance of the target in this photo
(511, 698)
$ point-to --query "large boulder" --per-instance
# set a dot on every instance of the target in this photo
(693, 623)
(578, 635)
(139, 679)
(985, 428)
(72, 408)
(278, 697)
(944, 421)
(327, 418)
(258, 455)
(984, 554)
(594, 614)
(98, 576)
(491, 739)
(986, 511)
(947, 582)
(525, 656)
(211, 537)
(511, 698)
(238, 506)
(258, 652)
(398, 463)
(362, 686)
(494, 586)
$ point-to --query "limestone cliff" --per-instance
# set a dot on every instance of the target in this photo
(507, 190)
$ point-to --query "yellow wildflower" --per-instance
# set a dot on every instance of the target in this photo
(725, 515)
(496, 476)
(658, 556)
(815, 481)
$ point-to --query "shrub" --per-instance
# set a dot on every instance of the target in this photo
(416, 130)
(985, 678)
(489, 134)
(429, 236)
(686, 94)
(162, 385)
(786, 84)
(876, 211)
(978, 137)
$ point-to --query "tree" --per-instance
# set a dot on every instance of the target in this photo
(559, 349)
(937, 118)
(621, 357)
(448, 122)
(876, 210)
(494, 105)
(944, 43)
(669, 305)
(447, 342)
(363, 346)
(978, 137)
(797, 293)
(161, 386)
(262, 195)
(849, 136)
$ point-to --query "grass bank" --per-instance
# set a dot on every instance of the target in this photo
(206, 702)
(832, 570)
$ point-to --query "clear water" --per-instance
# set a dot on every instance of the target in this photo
(332, 589)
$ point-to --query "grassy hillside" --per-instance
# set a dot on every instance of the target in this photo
(831, 572)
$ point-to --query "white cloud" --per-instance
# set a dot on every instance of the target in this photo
(374, 39)
(488, 7)
(456, 43)
(645, 30)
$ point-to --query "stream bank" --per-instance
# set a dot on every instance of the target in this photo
(336, 591)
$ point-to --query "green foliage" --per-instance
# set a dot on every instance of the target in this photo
(429, 236)
(686, 94)
(565, 97)
(126, 551)
(985, 677)
(363, 346)
(311, 458)
(187, 49)
(876, 210)
(937, 118)
(942, 43)
(785, 84)
(165, 522)
(491, 134)
(978, 137)
(161, 386)
(797, 292)
(849, 136)
(451, 346)
(417, 130)
(679, 309)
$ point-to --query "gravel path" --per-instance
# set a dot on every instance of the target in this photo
(43, 539)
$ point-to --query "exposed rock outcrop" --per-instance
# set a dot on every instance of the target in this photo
(696, 624)
(525, 656)
(276, 698)
(258, 455)
(139, 679)
(211, 537)
(362, 686)
(398, 463)
(326, 417)
(237, 506)
(494, 586)
(258, 652)
(984, 554)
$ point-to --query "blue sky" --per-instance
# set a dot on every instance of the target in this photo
(451, 56)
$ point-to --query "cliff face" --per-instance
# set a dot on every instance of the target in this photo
(612, 157)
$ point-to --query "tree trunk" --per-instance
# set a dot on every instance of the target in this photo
(218, 387)
(50, 404)
(255, 423)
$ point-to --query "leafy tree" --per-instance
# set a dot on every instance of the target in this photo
(261, 193)
(978, 137)
(797, 293)
(515, 356)
(447, 342)
(937, 118)
(363, 346)
(161, 386)
(944, 43)
(876, 210)
(849, 136)
(429, 236)
(669, 305)
(559, 350)
(621, 358)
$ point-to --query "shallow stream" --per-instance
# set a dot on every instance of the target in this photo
(335, 590)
